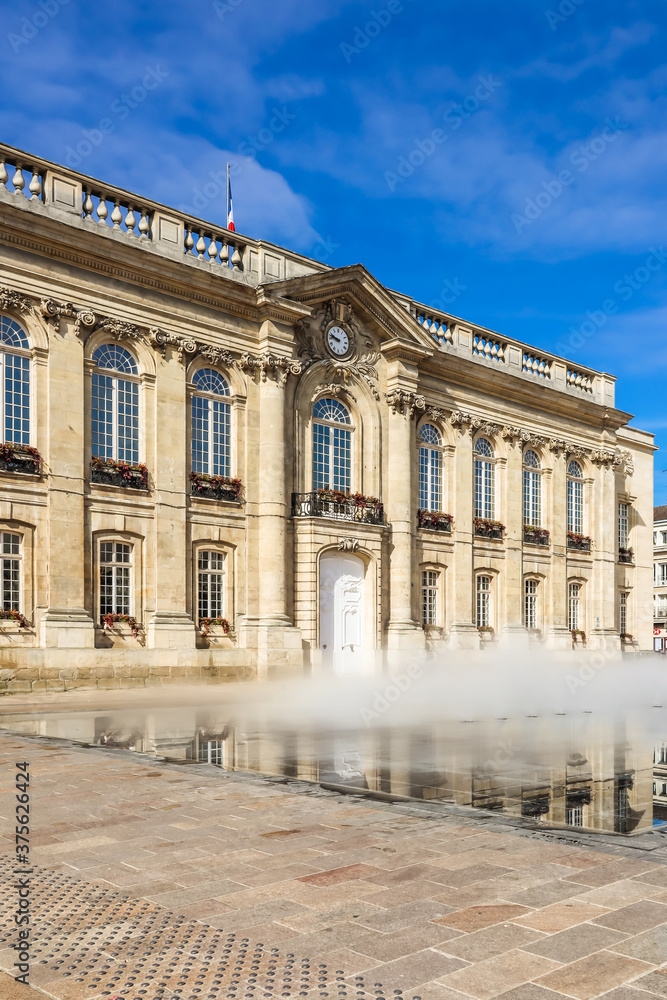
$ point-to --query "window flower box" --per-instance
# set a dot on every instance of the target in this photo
(435, 520)
(206, 624)
(578, 636)
(536, 536)
(15, 616)
(486, 632)
(338, 505)
(580, 542)
(112, 620)
(626, 637)
(216, 487)
(20, 458)
(434, 632)
(111, 472)
(626, 556)
(488, 529)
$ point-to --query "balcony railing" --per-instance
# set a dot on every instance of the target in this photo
(109, 472)
(435, 520)
(626, 556)
(488, 529)
(536, 536)
(216, 487)
(339, 506)
(20, 458)
(580, 542)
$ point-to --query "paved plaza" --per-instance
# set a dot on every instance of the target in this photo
(155, 881)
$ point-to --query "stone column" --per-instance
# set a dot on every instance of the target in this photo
(513, 628)
(169, 625)
(463, 630)
(66, 622)
(603, 584)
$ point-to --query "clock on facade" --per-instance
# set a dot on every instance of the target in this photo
(338, 341)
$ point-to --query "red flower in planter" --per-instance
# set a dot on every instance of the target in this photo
(15, 616)
(112, 618)
(206, 623)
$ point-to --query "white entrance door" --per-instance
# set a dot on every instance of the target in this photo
(342, 612)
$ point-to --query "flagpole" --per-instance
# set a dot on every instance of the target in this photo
(227, 207)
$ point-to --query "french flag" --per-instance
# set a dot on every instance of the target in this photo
(230, 206)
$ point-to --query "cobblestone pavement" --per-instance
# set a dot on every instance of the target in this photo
(159, 882)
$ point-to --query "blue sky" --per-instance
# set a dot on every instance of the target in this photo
(506, 161)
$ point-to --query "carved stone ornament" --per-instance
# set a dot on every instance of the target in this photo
(484, 427)
(362, 369)
(556, 445)
(623, 462)
(348, 545)
(52, 311)
(531, 440)
(160, 340)
(576, 451)
(269, 364)
(459, 418)
(404, 402)
(331, 389)
(435, 413)
(85, 321)
(215, 355)
(602, 457)
(310, 346)
(511, 433)
(9, 299)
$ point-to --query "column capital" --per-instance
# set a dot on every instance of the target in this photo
(405, 402)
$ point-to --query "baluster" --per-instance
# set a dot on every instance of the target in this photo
(88, 207)
(102, 210)
(4, 176)
(18, 180)
(201, 246)
(494, 352)
(144, 227)
(224, 253)
(237, 258)
(189, 242)
(116, 215)
(35, 186)
(212, 249)
(130, 221)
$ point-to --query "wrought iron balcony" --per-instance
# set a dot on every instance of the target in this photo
(216, 487)
(109, 472)
(435, 520)
(626, 556)
(536, 536)
(20, 458)
(339, 506)
(488, 529)
(580, 542)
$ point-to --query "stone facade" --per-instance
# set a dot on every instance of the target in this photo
(407, 516)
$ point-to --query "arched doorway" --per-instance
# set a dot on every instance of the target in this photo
(342, 613)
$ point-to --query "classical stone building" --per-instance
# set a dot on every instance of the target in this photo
(660, 579)
(247, 462)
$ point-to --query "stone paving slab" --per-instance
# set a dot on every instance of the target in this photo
(159, 882)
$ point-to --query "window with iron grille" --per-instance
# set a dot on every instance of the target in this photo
(530, 604)
(211, 569)
(430, 468)
(332, 446)
(532, 490)
(211, 424)
(429, 597)
(115, 569)
(115, 404)
(11, 571)
(574, 607)
(484, 480)
(575, 498)
(623, 525)
(14, 381)
(483, 601)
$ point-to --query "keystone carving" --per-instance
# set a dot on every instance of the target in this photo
(9, 299)
(511, 433)
(575, 451)
(485, 426)
(331, 389)
(401, 401)
(556, 445)
(269, 364)
(215, 355)
(435, 413)
(532, 440)
(348, 545)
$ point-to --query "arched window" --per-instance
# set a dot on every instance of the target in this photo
(115, 404)
(575, 498)
(430, 468)
(485, 485)
(211, 424)
(332, 446)
(15, 381)
(532, 490)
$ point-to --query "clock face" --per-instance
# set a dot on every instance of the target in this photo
(338, 341)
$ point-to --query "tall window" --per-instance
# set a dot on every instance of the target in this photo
(15, 381)
(575, 816)
(532, 490)
(429, 597)
(623, 525)
(115, 565)
(575, 498)
(483, 601)
(211, 566)
(530, 604)
(115, 404)
(623, 613)
(332, 446)
(211, 424)
(11, 571)
(430, 468)
(574, 607)
(484, 480)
